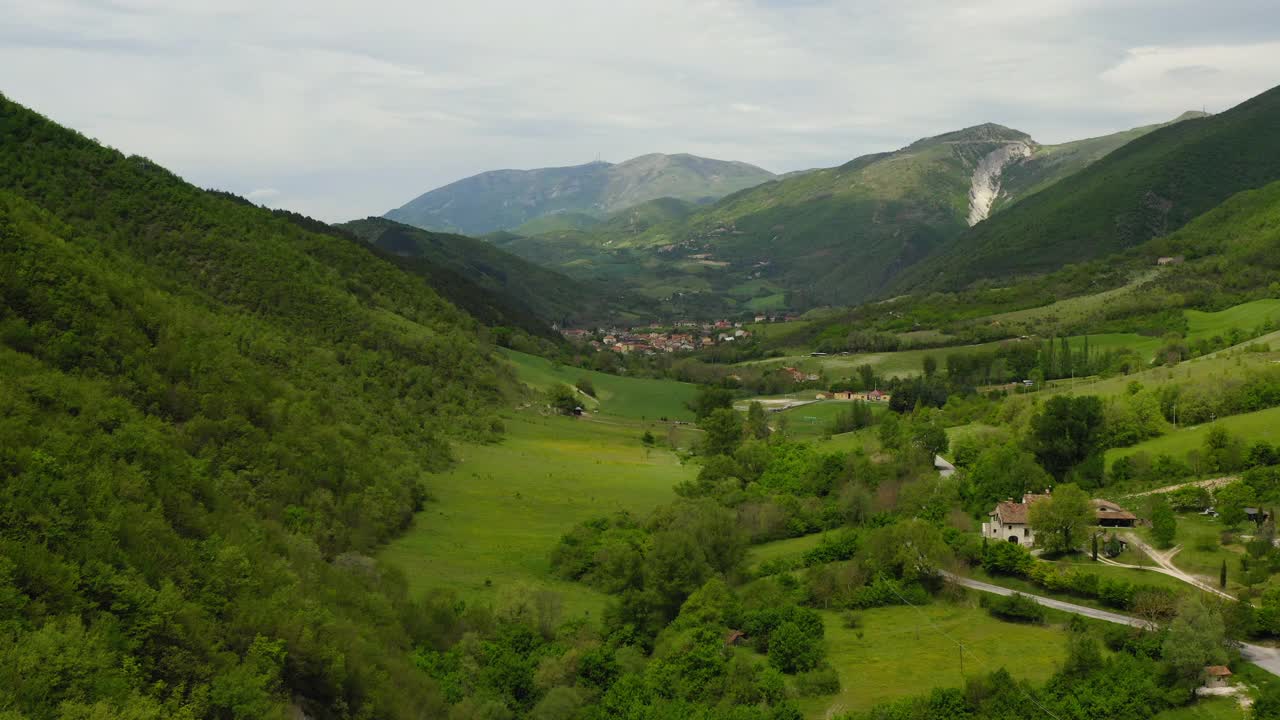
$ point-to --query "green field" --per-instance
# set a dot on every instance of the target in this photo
(1246, 316)
(789, 548)
(907, 363)
(1261, 425)
(810, 422)
(498, 513)
(1207, 709)
(637, 398)
(1068, 310)
(904, 651)
(1220, 364)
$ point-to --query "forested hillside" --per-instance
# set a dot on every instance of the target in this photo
(209, 414)
(495, 286)
(835, 236)
(1146, 189)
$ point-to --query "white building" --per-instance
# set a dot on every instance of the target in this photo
(1010, 522)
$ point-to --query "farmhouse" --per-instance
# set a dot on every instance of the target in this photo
(1217, 676)
(1011, 520)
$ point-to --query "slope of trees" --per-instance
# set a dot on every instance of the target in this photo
(209, 414)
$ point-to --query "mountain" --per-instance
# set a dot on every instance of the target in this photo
(1147, 188)
(833, 236)
(493, 285)
(1050, 163)
(506, 199)
(211, 414)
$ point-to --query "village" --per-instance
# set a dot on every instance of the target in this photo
(680, 336)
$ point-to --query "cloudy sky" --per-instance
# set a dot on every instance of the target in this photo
(342, 109)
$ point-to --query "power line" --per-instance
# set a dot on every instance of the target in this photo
(960, 645)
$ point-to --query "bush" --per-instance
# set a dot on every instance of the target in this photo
(1015, 608)
(793, 648)
(1007, 558)
(822, 680)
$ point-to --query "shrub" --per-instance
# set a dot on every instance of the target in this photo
(822, 680)
(1016, 608)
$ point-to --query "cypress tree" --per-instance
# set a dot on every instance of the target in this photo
(1095, 547)
(1222, 575)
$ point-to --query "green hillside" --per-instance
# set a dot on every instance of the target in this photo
(1147, 188)
(506, 199)
(1051, 163)
(826, 237)
(496, 286)
(210, 414)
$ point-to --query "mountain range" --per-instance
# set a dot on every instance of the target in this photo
(506, 199)
(833, 236)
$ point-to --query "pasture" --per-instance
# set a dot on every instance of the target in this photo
(813, 421)
(1211, 708)
(903, 651)
(500, 510)
(1250, 427)
(636, 398)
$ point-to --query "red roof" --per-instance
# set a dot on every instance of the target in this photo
(1217, 671)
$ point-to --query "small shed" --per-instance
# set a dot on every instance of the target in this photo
(1217, 676)
(733, 637)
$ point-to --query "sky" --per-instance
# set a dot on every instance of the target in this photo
(341, 109)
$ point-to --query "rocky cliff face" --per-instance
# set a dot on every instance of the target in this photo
(985, 186)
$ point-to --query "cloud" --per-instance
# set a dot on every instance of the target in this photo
(263, 196)
(349, 109)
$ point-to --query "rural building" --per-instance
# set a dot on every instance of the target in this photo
(1175, 260)
(1111, 515)
(1217, 676)
(1011, 520)
(733, 637)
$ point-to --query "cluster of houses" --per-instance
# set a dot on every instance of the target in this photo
(867, 396)
(685, 336)
(1011, 521)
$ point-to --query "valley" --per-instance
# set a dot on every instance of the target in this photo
(979, 427)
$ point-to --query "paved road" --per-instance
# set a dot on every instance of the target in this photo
(1266, 658)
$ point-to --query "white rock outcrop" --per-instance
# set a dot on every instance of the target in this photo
(985, 186)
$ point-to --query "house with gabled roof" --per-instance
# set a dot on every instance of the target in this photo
(1011, 520)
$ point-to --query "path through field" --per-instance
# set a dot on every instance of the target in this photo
(1164, 561)
(1210, 484)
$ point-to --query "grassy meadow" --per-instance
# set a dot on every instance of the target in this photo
(813, 421)
(1260, 425)
(502, 508)
(636, 398)
(903, 651)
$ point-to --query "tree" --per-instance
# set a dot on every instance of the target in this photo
(708, 400)
(1164, 525)
(928, 434)
(793, 648)
(1067, 431)
(723, 428)
(1002, 471)
(562, 400)
(1222, 575)
(1231, 500)
(585, 385)
(1061, 519)
(1196, 638)
(757, 423)
(930, 365)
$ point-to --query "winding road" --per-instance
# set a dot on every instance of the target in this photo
(1264, 657)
